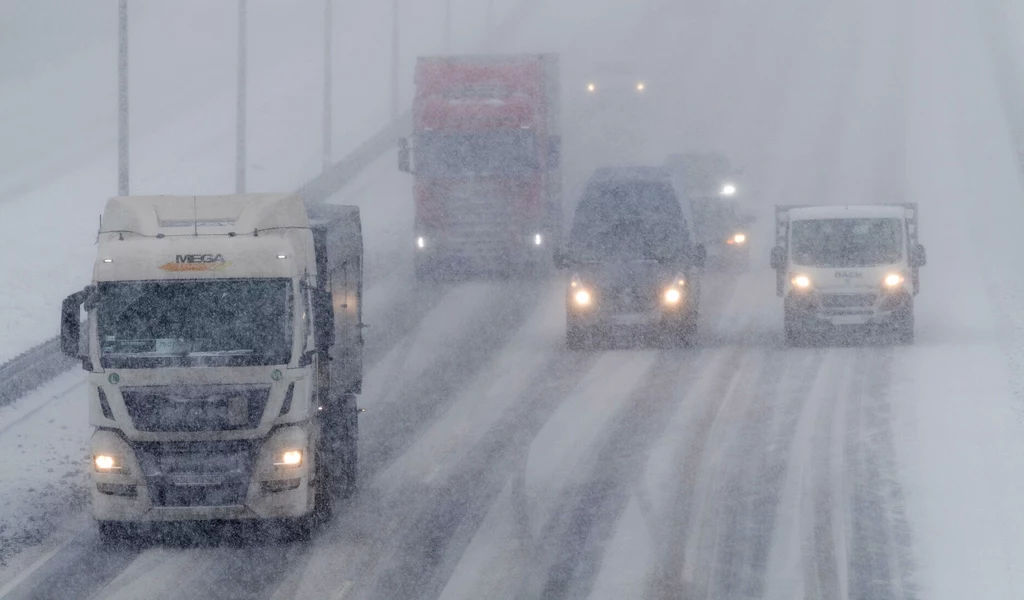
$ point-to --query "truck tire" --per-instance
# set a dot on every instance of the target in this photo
(341, 434)
(116, 533)
(796, 337)
(349, 460)
(904, 327)
(578, 337)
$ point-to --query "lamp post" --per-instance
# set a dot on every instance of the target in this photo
(123, 176)
(240, 111)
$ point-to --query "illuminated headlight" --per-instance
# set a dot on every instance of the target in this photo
(582, 298)
(801, 281)
(421, 243)
(892, 280)
(591, 87)
(289, 458)
(739, 238)
(641, 86)
(538, 240)
(672, 296)
(728, 190)
(106, 463)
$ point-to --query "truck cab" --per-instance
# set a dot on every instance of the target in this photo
(847, 267)
(632, 260)
(223, 350)
(485, 156)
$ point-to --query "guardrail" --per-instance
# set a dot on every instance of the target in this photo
(34, 367)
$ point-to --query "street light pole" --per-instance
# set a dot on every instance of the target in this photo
(240, 112)
(394, 58)
(448, 25)
(123, 176)
(328, 81)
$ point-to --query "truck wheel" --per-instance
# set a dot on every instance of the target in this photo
(578, 337)
(116, 533)
(348, 465)
(795, 335)
(905, 328)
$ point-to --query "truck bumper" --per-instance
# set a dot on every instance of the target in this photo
(200, 481)
(823, 311)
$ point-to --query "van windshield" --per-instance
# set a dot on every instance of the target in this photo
(836, 243)
(628, 221)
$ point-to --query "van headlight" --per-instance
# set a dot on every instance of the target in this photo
(672, 296)
(801, 282)
(108, 463)
(893, 280)
(288, 458)
(739, 238)
(582, 297)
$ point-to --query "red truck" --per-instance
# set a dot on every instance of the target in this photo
(488, 180)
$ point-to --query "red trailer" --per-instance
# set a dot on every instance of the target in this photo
(486, 145)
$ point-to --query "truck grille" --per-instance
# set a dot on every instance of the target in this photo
(200, 408)
(478, 220)
(848, 300)
(197, 473)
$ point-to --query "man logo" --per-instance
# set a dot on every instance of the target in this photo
(196, 262)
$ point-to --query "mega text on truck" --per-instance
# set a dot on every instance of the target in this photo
(846, 266)
(223, 347)
(488, 184)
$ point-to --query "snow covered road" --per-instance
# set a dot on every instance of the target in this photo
(496, 464)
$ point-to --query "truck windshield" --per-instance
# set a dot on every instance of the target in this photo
(847, 242)
(443, 154)
(182, 323)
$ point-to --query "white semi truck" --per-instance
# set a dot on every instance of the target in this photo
(847, 266)
(223, 345)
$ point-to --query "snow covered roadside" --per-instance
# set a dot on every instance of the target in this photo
(956, 396)
(43, 438)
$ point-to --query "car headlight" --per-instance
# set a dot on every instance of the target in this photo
(801, 281)
(582, 298)
(538, 240)
(106, 463)
(288, 458)
(421, 242)
(728, 190)
(672, 296)
(739, 238)
(892, 280)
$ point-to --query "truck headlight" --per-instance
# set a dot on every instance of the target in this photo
(421, 243)
(801, 281)
(106, 463)
(538, 240)
(728, 190)
(289, 458)
(672, 296)
(582, 298)
(892, 280)
(739, 238)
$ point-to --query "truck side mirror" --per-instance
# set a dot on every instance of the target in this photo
(71, 324)
(555, 152)
(404, 156)
(778, 258)
(918, 257)
(700, 256)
